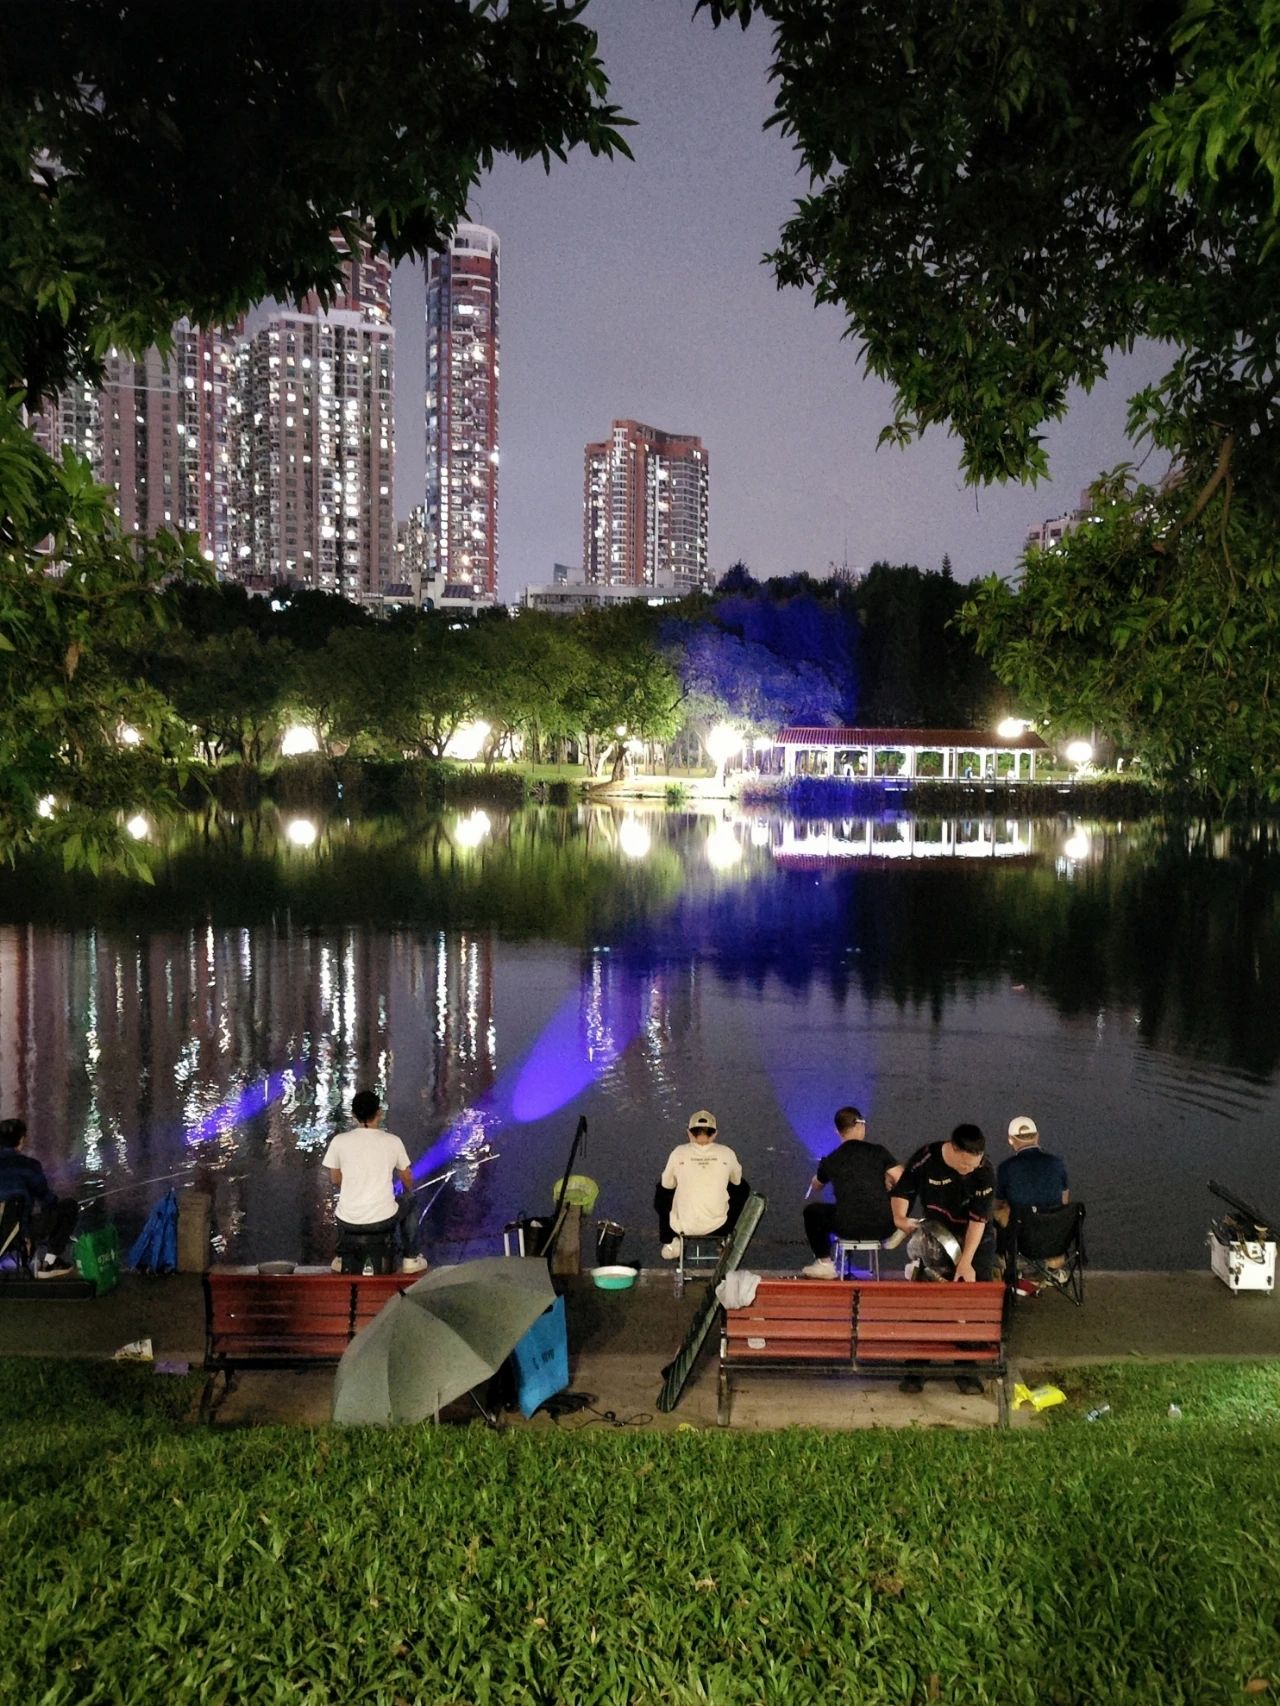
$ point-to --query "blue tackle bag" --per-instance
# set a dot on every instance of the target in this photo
(542, 1359)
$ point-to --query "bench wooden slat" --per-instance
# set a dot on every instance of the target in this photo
(959, 1331)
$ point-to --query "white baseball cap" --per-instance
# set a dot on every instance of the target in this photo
(1022, 1125)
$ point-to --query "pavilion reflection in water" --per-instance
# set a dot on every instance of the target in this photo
(816, 844)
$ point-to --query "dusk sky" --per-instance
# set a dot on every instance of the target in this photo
(637, 289)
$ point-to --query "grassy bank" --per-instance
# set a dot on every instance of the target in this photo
(1127, 1563)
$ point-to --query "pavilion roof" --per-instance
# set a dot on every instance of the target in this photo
(925, 740)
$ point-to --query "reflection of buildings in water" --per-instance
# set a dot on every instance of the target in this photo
(36, 972)
(810, 844)
(445, 1038)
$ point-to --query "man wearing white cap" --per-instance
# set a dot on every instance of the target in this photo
(1031, 1178)
(701, 1192)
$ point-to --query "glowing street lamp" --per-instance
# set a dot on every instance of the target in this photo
(138, 827)
(297, 739)
(130, 736)
(722, 743)
(1011, 727)
(1079, 753)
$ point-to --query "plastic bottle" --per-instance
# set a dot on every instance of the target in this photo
(1102, 1410)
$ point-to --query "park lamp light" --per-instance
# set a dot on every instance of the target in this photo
(723, 741)
(1079, 753)
(129, 736)
(297, 739)
(1009, 728)
(138, 827)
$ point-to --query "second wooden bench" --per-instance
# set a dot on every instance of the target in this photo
(869, 1327)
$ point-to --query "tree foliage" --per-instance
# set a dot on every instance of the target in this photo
(152, 166)
(1003, 196)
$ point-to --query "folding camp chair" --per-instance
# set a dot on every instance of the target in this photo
(1038, 1236)
(17, 1253)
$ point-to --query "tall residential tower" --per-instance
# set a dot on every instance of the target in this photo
(645, 509)
(462, 414)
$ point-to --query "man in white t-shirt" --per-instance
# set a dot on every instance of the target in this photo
(701, 1192)
(364, 1164)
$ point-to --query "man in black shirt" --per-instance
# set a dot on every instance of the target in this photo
(860, 1175)
(954, 1184)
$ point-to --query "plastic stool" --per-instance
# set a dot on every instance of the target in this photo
(373, 1249)
(697, 1260)
(843, 1251)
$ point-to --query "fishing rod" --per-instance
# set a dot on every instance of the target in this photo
(158, 1179)
(440, 1180)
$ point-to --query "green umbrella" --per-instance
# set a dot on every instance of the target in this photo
(449, 1331)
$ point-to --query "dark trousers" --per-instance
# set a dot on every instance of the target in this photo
(820, 1226)
(663, 1199)
(402, 1226)
(52, 1223)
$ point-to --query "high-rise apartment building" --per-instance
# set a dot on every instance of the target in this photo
(645, 498)
(316, 447)
(276, 449)
(462, 414)
(166, 451)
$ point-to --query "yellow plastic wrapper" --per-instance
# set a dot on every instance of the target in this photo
(1039, 1397)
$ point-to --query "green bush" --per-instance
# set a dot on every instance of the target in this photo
(1120, 1564)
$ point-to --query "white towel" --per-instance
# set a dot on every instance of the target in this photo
(738, 1289)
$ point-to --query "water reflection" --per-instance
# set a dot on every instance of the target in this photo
(1121, 984)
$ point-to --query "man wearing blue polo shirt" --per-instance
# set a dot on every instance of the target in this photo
(1031, 1178)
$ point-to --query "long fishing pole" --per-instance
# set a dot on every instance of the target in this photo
(440, 1180)
(158, 1179)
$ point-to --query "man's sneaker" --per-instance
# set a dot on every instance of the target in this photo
(54, 1267)
(414, 1265)
(1059, 1276)
(823, 1268)
(336, 1265)
(969, 1384)
(671, 1251)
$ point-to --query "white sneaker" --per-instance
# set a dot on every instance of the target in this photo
(823, 1268)
(414, 1265)
(671, 1251)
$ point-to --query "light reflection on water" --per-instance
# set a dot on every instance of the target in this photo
(1123, 987)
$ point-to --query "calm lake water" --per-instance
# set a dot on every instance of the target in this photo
(498, 976)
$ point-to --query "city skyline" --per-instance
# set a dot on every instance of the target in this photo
(636, 291)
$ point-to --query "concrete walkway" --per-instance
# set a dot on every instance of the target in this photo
(620, 1341)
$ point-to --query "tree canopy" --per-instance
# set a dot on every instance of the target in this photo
(155, 162)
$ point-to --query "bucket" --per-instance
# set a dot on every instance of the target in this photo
(609, 1236)
(526, 1236)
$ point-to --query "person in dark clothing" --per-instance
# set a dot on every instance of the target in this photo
(954, 1184)
(860, 1175)
(1031, 1178)
(50, 1219)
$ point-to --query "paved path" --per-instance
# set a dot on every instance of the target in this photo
(620, 1341)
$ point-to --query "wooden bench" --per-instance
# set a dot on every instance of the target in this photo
(296, 1320)
(871, 1327)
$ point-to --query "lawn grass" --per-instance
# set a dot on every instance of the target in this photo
(1132, 1560)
